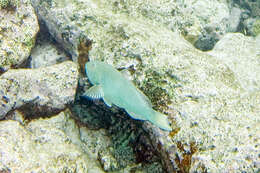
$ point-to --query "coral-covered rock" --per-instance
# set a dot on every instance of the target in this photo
(214, 114)
(44, 90)
(44, 145)
(18, 29)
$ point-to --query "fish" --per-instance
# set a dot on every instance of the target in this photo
(111, 85)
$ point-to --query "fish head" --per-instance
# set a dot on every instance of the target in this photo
(92, 71)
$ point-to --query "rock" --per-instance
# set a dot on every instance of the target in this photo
(18, 29)
(46, 52)
(8, 4)
(200, 25)
(58, 143)
(224, 122)
(250, 17)
(44, 145)
(252, 26)
(240, 54)
(72, 39)
(252, 6)
(214, 115)
(195, 19)
(46, 90)
(234, 19)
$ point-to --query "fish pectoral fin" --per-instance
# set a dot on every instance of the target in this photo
(136, 116)
(107, 102)
(148, 102)
(94, 92)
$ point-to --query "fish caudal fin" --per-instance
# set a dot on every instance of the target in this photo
(160, 120)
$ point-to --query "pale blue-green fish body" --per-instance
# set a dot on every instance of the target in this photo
(114, 88)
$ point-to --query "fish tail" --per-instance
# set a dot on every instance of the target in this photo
(160, 120)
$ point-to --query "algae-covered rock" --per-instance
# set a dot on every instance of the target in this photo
(9, 3)
(214, 114)
(256, 27)
(44, 145)
(249, 23)
(252, 7)
(18, 29)
(124, 147)
(46, 90)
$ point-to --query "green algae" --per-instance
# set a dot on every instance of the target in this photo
(9, 4)
(256, 27)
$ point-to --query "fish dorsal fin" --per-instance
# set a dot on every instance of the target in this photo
(149, 103)
(94, 92)
(127, 75)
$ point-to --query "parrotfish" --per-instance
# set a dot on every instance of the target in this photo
(111, 85)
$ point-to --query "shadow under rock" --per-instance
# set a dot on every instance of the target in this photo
(131, 144)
